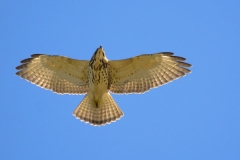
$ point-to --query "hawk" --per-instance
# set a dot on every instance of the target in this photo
(99, 76)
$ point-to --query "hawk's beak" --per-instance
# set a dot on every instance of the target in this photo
(100, 49)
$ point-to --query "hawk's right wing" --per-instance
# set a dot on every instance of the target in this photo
(57, 73)
(141, 73)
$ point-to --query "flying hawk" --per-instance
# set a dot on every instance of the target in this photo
(99, 76)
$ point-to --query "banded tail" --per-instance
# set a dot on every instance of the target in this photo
(106, 112)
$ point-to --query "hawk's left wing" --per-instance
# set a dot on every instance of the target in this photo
(140, 73)
(57, 73)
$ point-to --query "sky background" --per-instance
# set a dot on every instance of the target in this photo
(195, 117)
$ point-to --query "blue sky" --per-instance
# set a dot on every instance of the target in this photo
(195, 117)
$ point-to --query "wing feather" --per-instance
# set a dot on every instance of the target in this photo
(57, 73)
(141, 73)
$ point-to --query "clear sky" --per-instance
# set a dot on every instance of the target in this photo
(193, 118)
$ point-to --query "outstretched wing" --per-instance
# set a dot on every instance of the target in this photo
(140, 73)
(57, 73)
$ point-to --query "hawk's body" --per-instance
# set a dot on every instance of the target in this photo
(98, 107)
(97, 77)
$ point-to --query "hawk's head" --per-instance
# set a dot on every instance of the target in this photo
(99, 54)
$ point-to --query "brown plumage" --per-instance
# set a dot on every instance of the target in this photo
(97, 77)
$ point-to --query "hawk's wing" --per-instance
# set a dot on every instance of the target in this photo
(57, 73)
(140, 73)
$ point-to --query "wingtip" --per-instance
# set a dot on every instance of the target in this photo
(36, 55)
(177, 58)
(18, 73)
(167, 53)
(22, 66)
(27, 60)
(183, 64)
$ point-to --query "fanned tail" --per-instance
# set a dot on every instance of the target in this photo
(106, 111)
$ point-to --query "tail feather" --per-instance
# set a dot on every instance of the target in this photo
(107, 111)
